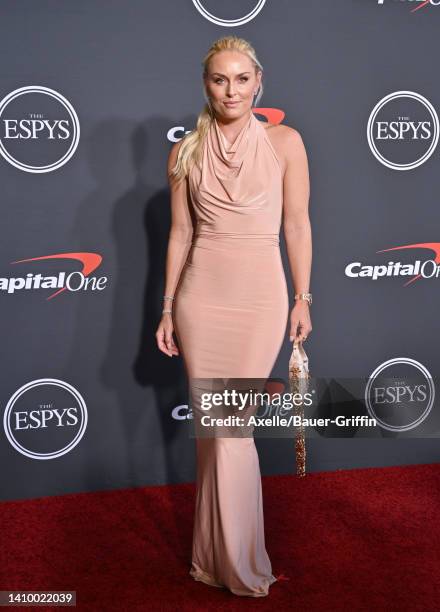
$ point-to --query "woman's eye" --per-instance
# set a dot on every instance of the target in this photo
(217, 81)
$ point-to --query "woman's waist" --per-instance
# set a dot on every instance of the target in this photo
(235, 239)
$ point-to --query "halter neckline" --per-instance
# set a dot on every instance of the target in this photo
(234, 156)
(223, 137)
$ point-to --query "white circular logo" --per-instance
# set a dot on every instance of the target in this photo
(229, 22)
(397, 399)
(403, 130)
(39, 129)
(45, 418)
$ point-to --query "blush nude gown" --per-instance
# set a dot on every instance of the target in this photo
(230, 313)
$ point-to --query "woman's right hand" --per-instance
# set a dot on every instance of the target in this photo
(164, 335)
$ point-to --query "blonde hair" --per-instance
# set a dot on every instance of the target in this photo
(190, 150)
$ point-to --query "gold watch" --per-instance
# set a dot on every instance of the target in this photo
(304, 296)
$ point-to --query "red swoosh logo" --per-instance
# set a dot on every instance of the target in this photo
(420, 6)
(90, 261)
(273, 115)
(433, 246)
(273, 387)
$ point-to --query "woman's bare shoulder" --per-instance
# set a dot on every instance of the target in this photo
(286, 140)
(282, 133)
(174, 151)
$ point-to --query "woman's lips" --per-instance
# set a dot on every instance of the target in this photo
(231, 103)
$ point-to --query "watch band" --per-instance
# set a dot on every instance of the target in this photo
(304, 296)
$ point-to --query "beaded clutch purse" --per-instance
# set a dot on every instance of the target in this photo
(299, 381)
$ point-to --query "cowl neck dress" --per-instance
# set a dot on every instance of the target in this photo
(230, 315)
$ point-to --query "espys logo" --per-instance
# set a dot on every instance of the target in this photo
(45, 418)
(230, 22)
(403, 130)
(400, 394)
(272, 115)
(39, 129)
(420, 3)
(429, 268)
(73, 281)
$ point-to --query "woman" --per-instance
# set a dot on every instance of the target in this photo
(232, 180)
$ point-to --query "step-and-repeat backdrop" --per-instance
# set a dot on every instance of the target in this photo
(92, 96)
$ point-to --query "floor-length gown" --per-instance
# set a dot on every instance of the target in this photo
(230, 314)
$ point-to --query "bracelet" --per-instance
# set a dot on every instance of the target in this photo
(304, 296)
(166, 311)
(168, 297)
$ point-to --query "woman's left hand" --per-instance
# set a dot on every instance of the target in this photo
(300, 323)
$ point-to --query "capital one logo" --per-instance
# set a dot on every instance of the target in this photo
(272, 387)
(39, 129)
(400, 394)
(428, 269)
(78, 280)
(230, 22)
(45, 418)
(272, 115)
(403, 130)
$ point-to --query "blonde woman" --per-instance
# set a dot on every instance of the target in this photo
(233, 180)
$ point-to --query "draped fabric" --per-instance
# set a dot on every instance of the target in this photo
(230, 313)
(239, 187)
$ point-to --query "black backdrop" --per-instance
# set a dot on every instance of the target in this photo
(93, 94)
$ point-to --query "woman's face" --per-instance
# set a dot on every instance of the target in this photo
(231, 83)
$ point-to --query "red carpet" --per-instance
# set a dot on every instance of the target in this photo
(364, 539)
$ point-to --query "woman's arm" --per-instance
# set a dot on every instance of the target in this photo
(181, 230)
(179, 244)
(297, 229)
